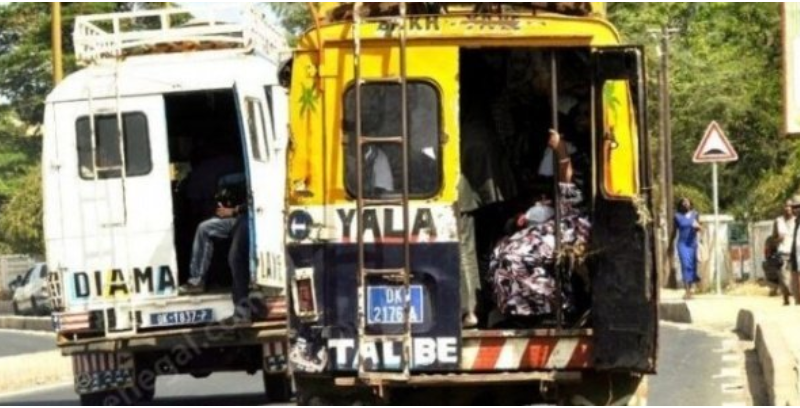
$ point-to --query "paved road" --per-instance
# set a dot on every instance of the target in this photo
(14, 343)
(218, 389)
(698, 367)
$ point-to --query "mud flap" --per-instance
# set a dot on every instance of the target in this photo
(624, 309)
(98, 372)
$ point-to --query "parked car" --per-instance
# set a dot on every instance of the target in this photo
(32, 296)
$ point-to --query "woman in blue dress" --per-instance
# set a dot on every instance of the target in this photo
(687, 227)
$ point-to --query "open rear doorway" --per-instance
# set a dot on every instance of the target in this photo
(511, 99)
(205, 150)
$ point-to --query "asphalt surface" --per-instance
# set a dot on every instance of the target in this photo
(13, 343)
(696, 367)
(224, 389)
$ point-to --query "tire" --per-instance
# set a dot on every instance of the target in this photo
(126, 396)
(278, 387)
(148, 395)
(144, 389)
(616, 389)
(322, 392)
(34, 307)
(146, 392)
(105, 398)
(15, 308)
(201, 374)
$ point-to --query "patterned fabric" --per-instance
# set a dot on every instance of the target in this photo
(522, 271)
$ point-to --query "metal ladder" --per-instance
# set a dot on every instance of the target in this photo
(122, 168)
(402, 274)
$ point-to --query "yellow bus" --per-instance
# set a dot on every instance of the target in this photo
(469, 204)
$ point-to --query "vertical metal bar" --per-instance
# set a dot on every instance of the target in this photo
(559, 264)
(668, 176)
(359, 186)
(121, 144)
(124, 180)
(406, 362)
(95, 177)
(715, 239)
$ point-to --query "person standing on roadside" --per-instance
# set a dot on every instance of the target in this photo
(783, 233)
(793, 280)
(687, 228)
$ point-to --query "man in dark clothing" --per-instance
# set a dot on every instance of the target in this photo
(229, 198)
(239, 261)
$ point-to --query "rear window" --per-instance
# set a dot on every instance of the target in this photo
(109, 161)
(381, 117)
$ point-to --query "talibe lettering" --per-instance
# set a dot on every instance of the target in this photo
(425, 352)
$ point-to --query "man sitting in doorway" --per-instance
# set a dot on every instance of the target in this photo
(230, 203)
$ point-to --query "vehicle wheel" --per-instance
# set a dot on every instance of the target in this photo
(34, 307)
(277, 386)
(313, 392)
(105, 398)
(145, 391)
(15, 308)
(201, 374)
(321, 391)
(615, 389)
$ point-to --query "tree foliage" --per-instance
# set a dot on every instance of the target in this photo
(725, 66)
(21, 219)
(295, 18)
(25, 81)
(17, 153)
(25, 50)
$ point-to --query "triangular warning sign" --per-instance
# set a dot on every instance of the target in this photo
(715, 147)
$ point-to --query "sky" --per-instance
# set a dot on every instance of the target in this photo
(228, 11)
(231, 14)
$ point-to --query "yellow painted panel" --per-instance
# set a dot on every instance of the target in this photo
(499, 30)
(620, 147)
(317, 157)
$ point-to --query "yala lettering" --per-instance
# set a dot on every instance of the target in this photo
(387, 224)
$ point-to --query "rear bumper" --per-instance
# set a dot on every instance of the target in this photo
(467, 379)
(199, 337)
(117, 364)
(132, 320)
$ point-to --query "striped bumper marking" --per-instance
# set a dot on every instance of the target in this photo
(503, 354)
(72, 322)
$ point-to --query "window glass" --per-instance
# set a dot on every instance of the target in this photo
(255, 129)
(381, 117)
(135, 139)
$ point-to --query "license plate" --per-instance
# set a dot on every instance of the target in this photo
(385, 305)
(184, 317)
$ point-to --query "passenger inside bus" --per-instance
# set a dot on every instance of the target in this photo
(517, 134)
(383, 162)
(205, 143)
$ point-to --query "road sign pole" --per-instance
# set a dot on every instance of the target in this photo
(715, 238)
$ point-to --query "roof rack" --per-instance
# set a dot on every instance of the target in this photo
(111, 36)
(343, 11)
